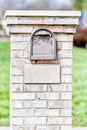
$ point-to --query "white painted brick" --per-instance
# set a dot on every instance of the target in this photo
(47, 127)
(65, 54)
(66, 127)
(67, 120)
(59, 120)
(17, 79)
(60, 87)
(23, 20)
(22, 112)
(35, 121)
(17, 121)
(47, 112)
(48, 20)
(65, 45)
(48, 95)
(64, 37)
(12, 20)
(66, 62)
(66, 78)
(26, 53)
(17, 54)
(60, 104)
(55, 120)
(67, 21)
(23, 96)
(19, 45)
(58, 28)
(17, 87)
(66, 112)
(17, 71)
(34, 104)
(66, 70)
(20, 37)
(20, 62)
(23, 127)
(20, 29)
(16, 104)
(35, 88)
(54, 29)
(66, 95)
(30, 20)
(62, 29)
(69, 29)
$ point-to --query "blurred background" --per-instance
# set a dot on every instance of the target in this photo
(79, 111)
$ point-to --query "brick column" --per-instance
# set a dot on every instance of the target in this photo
(41, 106)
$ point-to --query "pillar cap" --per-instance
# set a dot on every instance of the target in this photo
(10, 13)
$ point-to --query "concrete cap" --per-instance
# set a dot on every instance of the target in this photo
(42, 13)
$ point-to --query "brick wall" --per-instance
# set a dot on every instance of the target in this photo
(41, 106)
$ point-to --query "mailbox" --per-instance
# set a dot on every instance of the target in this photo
(43, 45)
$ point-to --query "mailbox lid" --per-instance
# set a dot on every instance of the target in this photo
(41, 73)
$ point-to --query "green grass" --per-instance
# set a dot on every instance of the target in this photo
(4, 83)
(79, 86)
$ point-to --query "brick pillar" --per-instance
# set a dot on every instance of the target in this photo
(41, 106)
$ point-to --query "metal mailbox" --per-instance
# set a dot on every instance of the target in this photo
(43, 45)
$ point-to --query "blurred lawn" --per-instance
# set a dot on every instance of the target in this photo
(4, 83)
(79, 85)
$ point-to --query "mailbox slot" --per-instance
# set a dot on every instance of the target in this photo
(43, 45)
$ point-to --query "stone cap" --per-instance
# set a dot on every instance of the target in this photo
(15, 13)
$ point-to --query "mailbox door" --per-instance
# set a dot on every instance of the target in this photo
(43, 45)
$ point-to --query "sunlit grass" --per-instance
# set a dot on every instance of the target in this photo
(80, 87)
(4, 83)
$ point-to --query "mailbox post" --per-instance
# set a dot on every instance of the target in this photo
(41, 69)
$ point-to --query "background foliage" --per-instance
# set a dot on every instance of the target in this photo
(80, 5)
